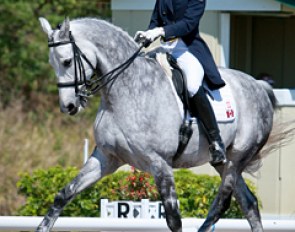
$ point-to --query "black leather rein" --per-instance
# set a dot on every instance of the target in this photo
(92, 86)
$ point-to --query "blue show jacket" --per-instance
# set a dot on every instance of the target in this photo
(180, 19)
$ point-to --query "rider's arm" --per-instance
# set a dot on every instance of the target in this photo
(155, 17)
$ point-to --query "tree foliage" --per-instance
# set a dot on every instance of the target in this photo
(24, 68)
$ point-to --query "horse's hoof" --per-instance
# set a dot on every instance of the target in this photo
(40, 229)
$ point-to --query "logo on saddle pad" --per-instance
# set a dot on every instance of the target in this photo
(229, 110)
(230, 113)
(223, 103)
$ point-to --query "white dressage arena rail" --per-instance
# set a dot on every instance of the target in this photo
(8, 223)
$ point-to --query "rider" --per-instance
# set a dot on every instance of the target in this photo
(177, 23)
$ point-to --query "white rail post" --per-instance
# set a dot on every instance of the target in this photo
(86, 145)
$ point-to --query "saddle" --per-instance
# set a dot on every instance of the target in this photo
(221, 101)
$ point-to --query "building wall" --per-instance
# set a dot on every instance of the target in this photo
(131, 20)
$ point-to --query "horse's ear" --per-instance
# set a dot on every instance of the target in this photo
(65, 29)
(45, 26)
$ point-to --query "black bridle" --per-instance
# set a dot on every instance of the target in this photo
(92, 86)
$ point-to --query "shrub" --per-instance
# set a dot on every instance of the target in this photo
(136, 186)
(40, 188)
(195, 192)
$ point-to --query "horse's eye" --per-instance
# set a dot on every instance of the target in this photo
(67, 62)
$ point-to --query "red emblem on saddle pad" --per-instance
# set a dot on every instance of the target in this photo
(229, 111)
(230, 114)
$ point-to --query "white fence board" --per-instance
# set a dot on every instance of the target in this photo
(146, 225)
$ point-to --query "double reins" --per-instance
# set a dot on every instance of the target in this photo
(87, 88)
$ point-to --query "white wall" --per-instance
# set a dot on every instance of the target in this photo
(243, 5)
(217, 5)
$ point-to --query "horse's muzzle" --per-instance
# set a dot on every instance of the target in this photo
(72, 109)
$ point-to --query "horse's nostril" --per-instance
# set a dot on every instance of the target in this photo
(71, 106)
(72, 109)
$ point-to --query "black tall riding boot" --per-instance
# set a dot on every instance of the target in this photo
(202, 110)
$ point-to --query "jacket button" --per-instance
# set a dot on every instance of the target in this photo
(164, 13)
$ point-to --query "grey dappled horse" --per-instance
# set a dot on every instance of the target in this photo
(138, 120)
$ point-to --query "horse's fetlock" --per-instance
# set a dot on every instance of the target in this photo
(174, 223)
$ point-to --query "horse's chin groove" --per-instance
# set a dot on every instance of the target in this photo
(76, 110)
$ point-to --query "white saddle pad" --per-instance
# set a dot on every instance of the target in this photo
(223, 104)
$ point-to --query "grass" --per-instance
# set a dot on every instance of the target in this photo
(38, 138)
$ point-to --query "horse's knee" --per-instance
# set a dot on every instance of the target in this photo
(227, 187)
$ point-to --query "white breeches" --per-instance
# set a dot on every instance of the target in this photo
(192, 68)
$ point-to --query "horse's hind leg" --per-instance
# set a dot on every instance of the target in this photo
(164, 179)
(222, 201)
(249, 204)
(233, 184)
(95, 168)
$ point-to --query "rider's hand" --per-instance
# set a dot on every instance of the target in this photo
(150, 35)
(140, 35)
(155, 33)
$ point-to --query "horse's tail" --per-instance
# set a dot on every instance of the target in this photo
(281, 134)
(269, 90)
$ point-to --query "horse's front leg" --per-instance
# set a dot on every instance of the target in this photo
(97, 166)
(164, 179)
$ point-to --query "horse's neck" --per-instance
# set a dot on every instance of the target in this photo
(132, 82)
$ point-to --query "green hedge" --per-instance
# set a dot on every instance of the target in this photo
(195, 192)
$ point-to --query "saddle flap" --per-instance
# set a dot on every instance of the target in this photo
(173, 71)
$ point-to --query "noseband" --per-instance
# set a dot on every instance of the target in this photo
(92, 86)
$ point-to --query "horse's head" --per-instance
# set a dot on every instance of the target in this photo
(74, 63)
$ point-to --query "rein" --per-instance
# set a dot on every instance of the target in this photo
(92, 86)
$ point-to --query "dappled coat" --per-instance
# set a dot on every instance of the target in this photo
(181, 18)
